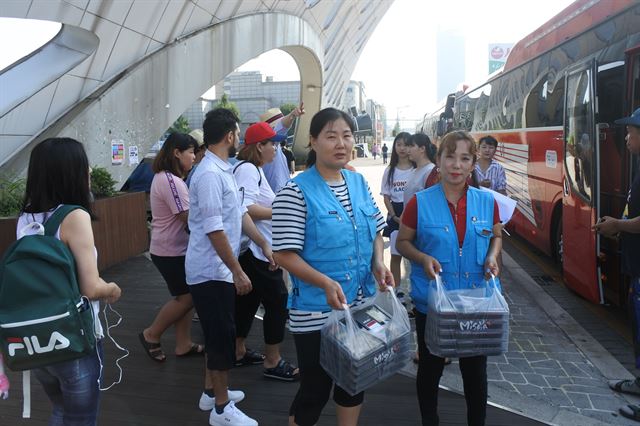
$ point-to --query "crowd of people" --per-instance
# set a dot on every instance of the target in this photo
(226, 238)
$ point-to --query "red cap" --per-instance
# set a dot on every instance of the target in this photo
(258, 132)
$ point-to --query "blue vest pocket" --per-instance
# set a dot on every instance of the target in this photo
(483, 239)
(332, 231)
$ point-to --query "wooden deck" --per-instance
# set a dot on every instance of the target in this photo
(168, 393)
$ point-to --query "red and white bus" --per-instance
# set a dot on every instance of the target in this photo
(552, 110)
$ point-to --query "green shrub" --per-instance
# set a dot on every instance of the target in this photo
(101, 182)
(11, 195)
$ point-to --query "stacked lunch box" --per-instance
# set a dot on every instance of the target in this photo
(357, 356)
(467, 323)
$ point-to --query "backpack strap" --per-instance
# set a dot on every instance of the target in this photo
(247, 162)
(53, 223)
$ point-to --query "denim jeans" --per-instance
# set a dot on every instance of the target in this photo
(73, 389)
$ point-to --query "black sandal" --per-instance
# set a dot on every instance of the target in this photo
(154, 350)
(250, 357)
(628, 386)
(631, 412)
(283, 371)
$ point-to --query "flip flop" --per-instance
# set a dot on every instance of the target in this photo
(631, 412)
(195, 349)
(250, 357)
(154, 350)
(625, 386)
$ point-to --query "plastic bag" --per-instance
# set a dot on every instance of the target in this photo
(467, 322)
(364, 345)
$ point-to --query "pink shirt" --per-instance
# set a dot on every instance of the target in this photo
(168, 234)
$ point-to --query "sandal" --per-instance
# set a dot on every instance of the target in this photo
(195, 349)
(250, 357)
(283, 371)
(631, 412)
(154, 350)
(625, 386)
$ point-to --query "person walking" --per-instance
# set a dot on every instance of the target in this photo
(59, 174)
(216, 221)
(326, 233)
(385, 150)
(268, 285)
(628, 227)
(463, 259)
(169, 201)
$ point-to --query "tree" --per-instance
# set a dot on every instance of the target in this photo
(226, 103)
(396, 129)
(181, 125)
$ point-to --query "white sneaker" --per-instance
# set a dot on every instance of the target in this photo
(231, 416)
(208, 402)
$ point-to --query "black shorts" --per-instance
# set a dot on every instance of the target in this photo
(215, 303)
(172, 270)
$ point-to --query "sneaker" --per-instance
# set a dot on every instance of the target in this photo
(207, 402)
(231, 416)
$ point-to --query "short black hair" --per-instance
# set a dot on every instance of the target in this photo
(58, 174)
(489, 140)
(218, 123)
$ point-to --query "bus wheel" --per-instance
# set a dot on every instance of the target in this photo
(557, 243)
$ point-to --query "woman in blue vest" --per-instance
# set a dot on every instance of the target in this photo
(463, 259)
(326, 233)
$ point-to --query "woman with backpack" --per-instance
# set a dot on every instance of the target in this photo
(59, 175)
(169, 199)
(268, 284)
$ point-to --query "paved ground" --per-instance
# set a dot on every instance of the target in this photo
(554, 370)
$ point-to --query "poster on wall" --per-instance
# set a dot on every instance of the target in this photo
(117, 152)
(133, 155)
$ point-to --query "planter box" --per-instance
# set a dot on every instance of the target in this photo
(120, 231)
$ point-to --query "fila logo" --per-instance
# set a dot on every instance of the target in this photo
(32, 345)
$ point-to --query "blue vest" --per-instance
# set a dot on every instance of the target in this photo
(436, 236)
(335, 244)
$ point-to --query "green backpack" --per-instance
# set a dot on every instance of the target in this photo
(43, 317)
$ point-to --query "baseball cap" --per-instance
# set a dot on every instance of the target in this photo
(632, 120)
(259, 132)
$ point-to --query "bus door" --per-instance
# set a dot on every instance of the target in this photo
(580, 201)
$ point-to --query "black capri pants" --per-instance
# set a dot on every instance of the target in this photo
(268, 288)
(172, 270)
(474, 379)
(315, 383)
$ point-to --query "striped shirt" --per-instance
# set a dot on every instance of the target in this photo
(495, 174)
(289, 214)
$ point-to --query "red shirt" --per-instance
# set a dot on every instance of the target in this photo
(458, 213)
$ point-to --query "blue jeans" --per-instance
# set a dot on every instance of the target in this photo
(73, 389)
(634, 306)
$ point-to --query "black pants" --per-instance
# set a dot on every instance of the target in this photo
(315, 383)
(474, 378)
(268, 288)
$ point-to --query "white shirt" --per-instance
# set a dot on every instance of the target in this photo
(214, 206)
(398, 182)
(248, 176)
(416, 182)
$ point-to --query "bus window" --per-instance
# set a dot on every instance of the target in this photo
(579, 133)
(544, 104)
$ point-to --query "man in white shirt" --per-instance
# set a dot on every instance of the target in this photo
(216, 222)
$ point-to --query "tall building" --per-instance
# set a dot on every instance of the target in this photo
(354, 97)
(195, 113)
(450, 66)
(254, 96)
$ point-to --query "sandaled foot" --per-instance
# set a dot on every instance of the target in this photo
(195, 350)
(250, 357)
(283, 371)
(625, 386)
(154, 350)
(631, 412)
